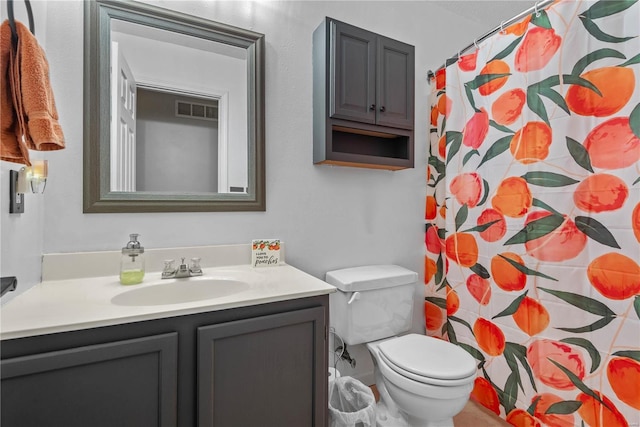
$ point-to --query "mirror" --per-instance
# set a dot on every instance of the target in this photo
(174, 112)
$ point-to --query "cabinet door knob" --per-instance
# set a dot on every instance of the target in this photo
(382, 109)
(372, 107)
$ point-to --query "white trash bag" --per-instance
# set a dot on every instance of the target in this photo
(351, 404)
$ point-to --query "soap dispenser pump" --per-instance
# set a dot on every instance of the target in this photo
(132, 262)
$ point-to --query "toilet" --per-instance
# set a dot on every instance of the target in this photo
(423, 379)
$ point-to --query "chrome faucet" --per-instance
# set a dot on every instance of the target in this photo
(183, 270)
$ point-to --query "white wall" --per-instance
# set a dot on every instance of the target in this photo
(174, 153)
(22, 235)
(329, 217)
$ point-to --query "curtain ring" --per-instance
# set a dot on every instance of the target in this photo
(502, 27)
(535, 9)
(475, 43)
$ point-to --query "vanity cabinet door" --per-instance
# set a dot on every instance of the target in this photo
(122, 383)
(264, 371)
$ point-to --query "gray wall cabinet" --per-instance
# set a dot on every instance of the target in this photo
(363, 98)
(262, 366)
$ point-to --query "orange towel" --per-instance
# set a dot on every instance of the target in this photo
(36, 118)
(10, 148)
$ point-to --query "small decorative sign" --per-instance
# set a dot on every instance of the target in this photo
(265, 253)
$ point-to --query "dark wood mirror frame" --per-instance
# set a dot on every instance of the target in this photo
(97, 195)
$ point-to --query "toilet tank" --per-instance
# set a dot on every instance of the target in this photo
(372, 302)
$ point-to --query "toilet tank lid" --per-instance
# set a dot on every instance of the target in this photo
(370, 277)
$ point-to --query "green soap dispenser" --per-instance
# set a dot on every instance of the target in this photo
(132, 262)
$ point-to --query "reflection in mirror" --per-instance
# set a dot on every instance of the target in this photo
(170, 120)
(185, 99)
(170, 129)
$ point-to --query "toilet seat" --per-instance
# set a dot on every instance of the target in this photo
(428, 360)
(423, 388)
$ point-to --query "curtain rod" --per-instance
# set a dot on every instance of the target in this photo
(540, 5)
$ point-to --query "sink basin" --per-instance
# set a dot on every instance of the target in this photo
(178, 291)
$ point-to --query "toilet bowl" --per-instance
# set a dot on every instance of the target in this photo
(423, 380)
(427, 394)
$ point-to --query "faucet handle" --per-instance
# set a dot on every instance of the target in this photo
(169, 270)
(195, 268)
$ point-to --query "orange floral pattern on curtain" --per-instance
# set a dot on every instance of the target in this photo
(532, 259)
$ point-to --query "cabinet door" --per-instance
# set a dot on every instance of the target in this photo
(264, 371)
(124, 383)
(395, 84)
(352, 78)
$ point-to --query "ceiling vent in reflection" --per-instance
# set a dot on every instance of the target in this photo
(196, 111)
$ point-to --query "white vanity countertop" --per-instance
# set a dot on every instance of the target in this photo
(81, 303)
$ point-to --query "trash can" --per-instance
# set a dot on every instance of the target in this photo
(351, 404)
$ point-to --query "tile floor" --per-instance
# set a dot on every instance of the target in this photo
(473, 415)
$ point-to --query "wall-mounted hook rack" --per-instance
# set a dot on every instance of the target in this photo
(12, 21)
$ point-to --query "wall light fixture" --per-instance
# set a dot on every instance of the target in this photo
(29, 179)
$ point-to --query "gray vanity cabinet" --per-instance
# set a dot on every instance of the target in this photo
(363, 98)
(263, 365)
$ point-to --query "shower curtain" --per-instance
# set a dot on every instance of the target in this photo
(532, 240)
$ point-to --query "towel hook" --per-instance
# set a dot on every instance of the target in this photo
(12, 22)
